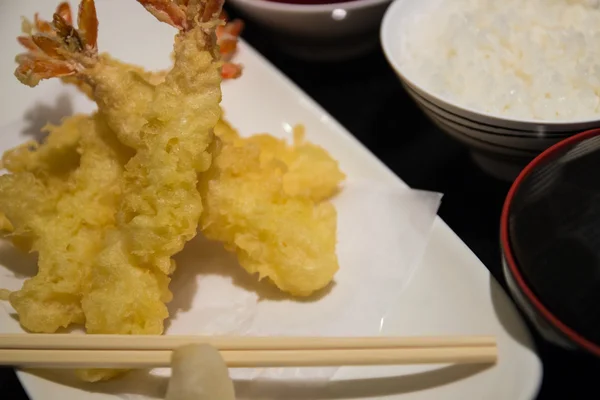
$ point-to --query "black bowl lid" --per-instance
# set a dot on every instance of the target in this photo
(551, 236)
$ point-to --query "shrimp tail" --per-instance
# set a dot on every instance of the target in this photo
(58, 49)
(184, 14)
(187, 14)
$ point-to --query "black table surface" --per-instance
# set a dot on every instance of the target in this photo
(365, 96)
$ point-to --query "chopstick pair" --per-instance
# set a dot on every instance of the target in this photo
(144, 351)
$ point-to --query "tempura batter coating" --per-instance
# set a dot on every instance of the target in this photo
(5, 225)
(168, 126)
(160, 207)
(289, 239)
(310, 170)
(64, 223)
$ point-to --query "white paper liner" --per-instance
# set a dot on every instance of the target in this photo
(382, 234)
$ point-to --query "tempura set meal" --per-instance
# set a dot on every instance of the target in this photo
(109, 198)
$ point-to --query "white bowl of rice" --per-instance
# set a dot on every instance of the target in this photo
(508, 78)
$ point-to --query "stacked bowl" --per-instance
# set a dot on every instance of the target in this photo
(472, 60)
(318, 30)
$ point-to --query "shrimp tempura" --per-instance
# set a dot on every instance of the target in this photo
(60, 198)
(161, 205)
(169, 126)
(288, 239)
(310, 171)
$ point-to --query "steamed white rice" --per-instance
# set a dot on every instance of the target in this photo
(525, 59)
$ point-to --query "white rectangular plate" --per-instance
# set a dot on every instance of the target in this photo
(452, 292)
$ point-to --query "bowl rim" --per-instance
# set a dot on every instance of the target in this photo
(310, 8)
(510, 257)
(387, 29)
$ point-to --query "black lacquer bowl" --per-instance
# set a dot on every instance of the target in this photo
(550, 238)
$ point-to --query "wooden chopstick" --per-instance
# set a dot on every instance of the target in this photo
(144, 351)
(249, 359)
(154, 342)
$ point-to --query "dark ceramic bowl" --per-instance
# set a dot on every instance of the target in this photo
(550, 238)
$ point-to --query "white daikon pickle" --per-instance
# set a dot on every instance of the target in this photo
(199, 373)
